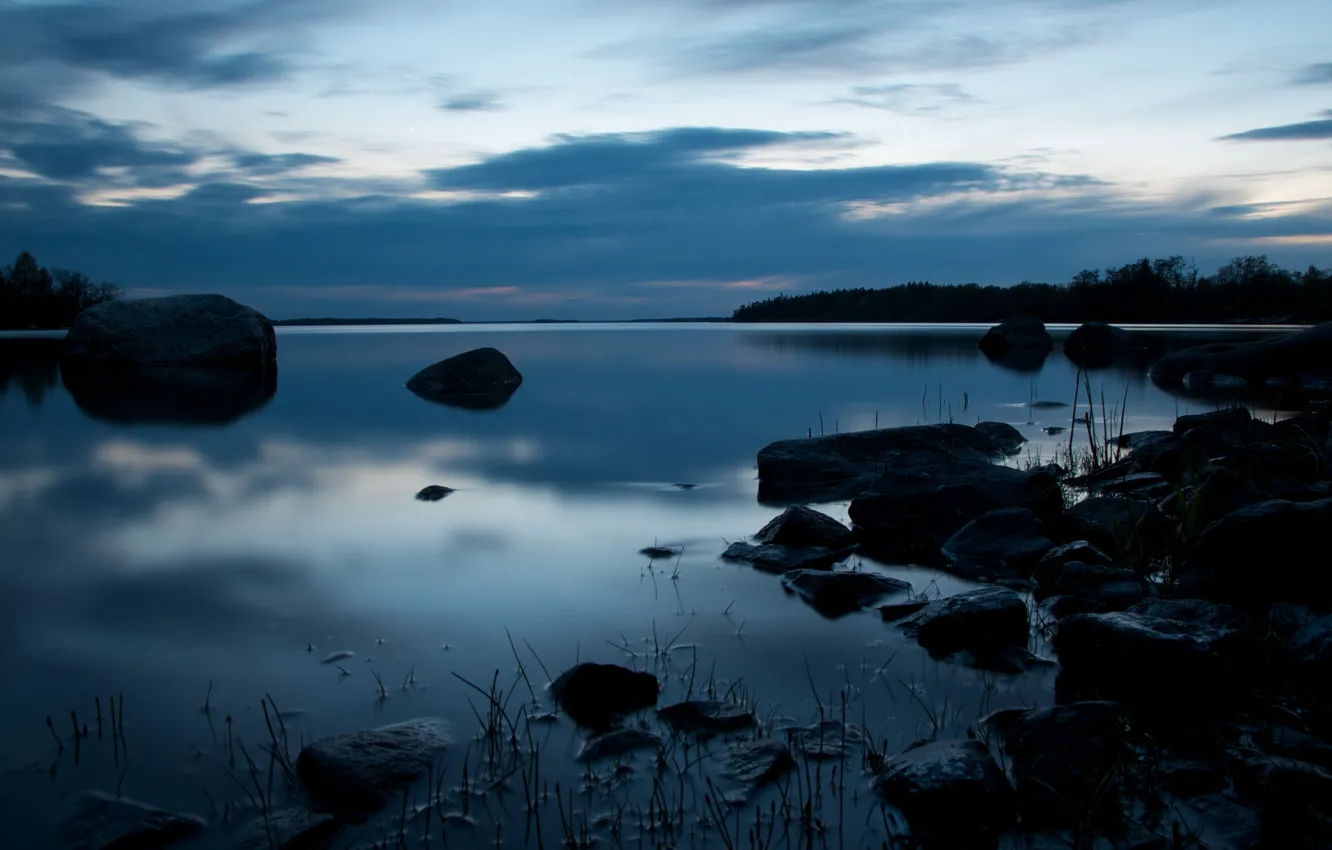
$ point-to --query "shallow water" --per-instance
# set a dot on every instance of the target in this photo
(222, 562)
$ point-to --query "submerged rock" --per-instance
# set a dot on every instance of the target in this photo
(830, 740)
(784, 559)
(658, 552)
(707, 716)
(354, 775)
(179, 330)
(434, 493)
(1022, 332)
(800, 526)
(753, 764)
(617, 742)
(97, 821)
(482, 378)
(595, 694)
(1006, 541)
(974, 618)
(835, 594)
(952, 794)
(291, 829)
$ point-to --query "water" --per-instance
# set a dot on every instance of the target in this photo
(218, 563)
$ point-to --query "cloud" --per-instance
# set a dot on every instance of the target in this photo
(473, 102)
(65, 144)
(910, 98)
(1315, 74)
(1303, 131)
(281, 163)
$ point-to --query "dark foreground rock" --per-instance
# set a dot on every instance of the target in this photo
(354, 775)
(291, 829)
(784, 559)
(1109, 588)
(1287, 357)
(707, 717)
(1293, 797)
(1009, 541)
(802, 526)
(1068, 762)
(97, 821)
(838, 593)
(1022, 332)
(1052, 562)
(1116, 524)
(1005, 436)
(595, 694)
(179, 330)
(952, 794)
(482, 378)
(1096, 343)
(975, 618)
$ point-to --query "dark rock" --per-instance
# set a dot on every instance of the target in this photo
(785, 559)
(829, 740)
(657, 552)
(1005, 436)
(1189, 778)
(1003, 721)
(433, 493)
(1292, 489)
(1111, 588)
(754, 764)
(1052, 563)
(482, 378)
(842, 466)
(998, 658)
(898, 610)
(1265, 461)
(1292, 743)
(1010, 540)
(707, 716)
(835, 594)
(1311, 647)
(1020, 332)
(291, 829)
(1144, 440)
(170, 394)
(1287, 618)
(1062, 759)
(595, 694)
(800, 526)
(1294, 797)
(908, 516)
(179, 330)
(617, 742)
(97, 821)
(354, 775)
(1096, 343)
(1284, 356)
(1139, 485)
(1222, 492)
(1235, 419)
(1116, 523)
(974, 618)
(1055, 608)
(1276, 537)
(952, 794)
(1223, 822)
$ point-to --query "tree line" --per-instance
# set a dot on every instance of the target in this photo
(1169, 290)
(35, 297)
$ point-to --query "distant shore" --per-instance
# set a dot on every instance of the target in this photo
(337, 322)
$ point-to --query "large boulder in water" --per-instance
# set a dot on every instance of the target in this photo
(1095, 343)
(973, 618)
(482, 378)
(354, 775)
(998, 544)
(952, 794)
(594, 695)
(1023, 332)
(1287, 357)
(837, 593)
(178, 330)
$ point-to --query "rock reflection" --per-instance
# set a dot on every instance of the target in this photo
(168, 395)
(32, 363)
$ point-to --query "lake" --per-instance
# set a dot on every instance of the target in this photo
(179, 566)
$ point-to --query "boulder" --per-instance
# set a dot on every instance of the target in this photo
(951, 793)
(352, 776)
(1264, 553)
(97, 821)
(1311, 650)
(802, 526)
(1052, 562)
(1096, 343)
(835, 594)
(1110, 588)
(616, 743)
(974, 618)
(1022, 332)
(179, 330)
(753, 764)
(1067, 762)
(1231, 419)
(1009, 541)
(784, 559)
(1005, 436)
(1117, 523)
(1294, 798)
(434, 493)
(1223, 491)
(482, 378)
(704, 717)
(841, 466)
(595, 694)
(1285, 356)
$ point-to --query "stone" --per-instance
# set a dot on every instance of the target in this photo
(1009, 540)
(1224, 491)
(1052, 609)
(178, 330)
(1005, 436)
(658, 552)
(829, 740)
(1111, 588)
(1096, 343)
(707, 717)
(1294, 798)
(1282, 356)
(97, 821)
(354, 775)
(1189, 778)
(1115, 523)
(1052, 562)
(784, 559)
(951, 793)
(1139, 485)
(1222, 822)
(481, 378)
(433, 493)
(753, 764)
(1022, 332)
(595, 694)
(291, 829)
(617, 742)
(800, 526)
(1062, 758)
(973, 618)
(838, 593)
(1311, 648)
(1227, 419)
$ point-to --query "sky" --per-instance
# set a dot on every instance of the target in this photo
(604, 159)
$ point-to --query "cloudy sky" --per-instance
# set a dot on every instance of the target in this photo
(635, 158)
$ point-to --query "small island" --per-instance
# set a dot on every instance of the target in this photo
(36, 298)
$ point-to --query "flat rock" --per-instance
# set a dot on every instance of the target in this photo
(1006, 541)
(178, 330)
(1022, 332)
(482, 378)
(1113, 523)
(753, 764)
(291, 829)
(783, 559)
(97, 821)
(433, 493)
(595, 694)
(800, 526)
(837, 593)
(974, 618)
(617, 742)
(951, 792)
(830, 740)
(354, 775)
(707, 716)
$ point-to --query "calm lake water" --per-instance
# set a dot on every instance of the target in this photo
(182, 564)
